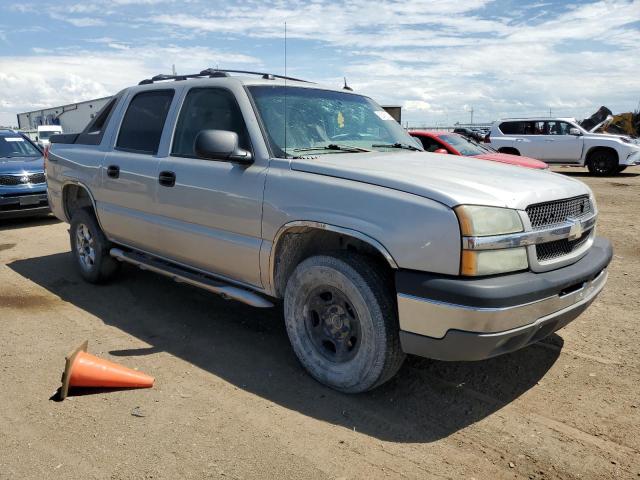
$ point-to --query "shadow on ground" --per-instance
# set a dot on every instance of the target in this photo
(570, 173)
(25, 222)
(249, 348)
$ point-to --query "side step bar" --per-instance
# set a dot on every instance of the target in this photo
(181, 275)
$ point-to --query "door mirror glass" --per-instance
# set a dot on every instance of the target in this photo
(221, 145)
(575, 131)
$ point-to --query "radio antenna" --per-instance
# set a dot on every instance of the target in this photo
(285, 89)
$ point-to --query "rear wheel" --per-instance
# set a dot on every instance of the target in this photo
(90, 248)
(602, 163)
(342, 322)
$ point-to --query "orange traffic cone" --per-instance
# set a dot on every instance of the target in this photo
(85, 370)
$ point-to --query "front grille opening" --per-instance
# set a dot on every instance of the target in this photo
(559, 248)
(27, 179)
(557, 212)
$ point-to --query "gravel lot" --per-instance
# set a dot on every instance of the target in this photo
(231, 401)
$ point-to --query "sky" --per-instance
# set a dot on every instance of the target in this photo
(438, 59)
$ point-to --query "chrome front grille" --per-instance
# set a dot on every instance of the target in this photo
(13, 180)
(559, 211)
(559, 248)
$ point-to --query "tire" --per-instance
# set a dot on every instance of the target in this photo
(602, 163)
(341, 320)
(90, 248)
(509, 150)
(621, 168)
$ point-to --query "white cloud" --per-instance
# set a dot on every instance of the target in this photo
(29, 83)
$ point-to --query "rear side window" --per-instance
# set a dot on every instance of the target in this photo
(208, 109)
(512, 128)
(93, 133)
(142, 125)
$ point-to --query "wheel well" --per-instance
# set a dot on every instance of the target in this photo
(300, 243)
(595, 150)
(509, 150)
(75, 197)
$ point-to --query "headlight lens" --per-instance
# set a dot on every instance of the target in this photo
(490, 262)
(477, 221)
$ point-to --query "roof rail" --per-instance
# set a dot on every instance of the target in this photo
(214, 73)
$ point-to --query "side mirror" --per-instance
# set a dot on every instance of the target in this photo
(575, 131)
(221, 145)
(36, 138)
(441, 150)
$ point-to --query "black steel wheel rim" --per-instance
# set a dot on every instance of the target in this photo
(332, 324)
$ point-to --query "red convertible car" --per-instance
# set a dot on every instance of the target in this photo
(454, 144)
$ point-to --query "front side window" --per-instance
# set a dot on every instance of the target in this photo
(558, 128)
(208, 109)
(302, 120)
(142, 125)
(429, 144)
(17, 146)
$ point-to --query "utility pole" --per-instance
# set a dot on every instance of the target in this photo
(550, 112)
(471, 111)
(173, 69)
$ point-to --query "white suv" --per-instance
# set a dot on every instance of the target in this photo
(562, 141)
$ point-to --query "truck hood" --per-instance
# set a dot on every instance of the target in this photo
(21, 164)
(447, 179)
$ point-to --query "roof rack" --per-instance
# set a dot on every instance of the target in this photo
(215, 73)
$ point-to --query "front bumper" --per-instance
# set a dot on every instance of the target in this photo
(24, 204)
(454, 318)
(633, 159)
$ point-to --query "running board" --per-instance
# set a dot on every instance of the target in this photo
(181, 275)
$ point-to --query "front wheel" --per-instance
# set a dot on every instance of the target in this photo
(90, 248)
(342, 322)
(603, 163)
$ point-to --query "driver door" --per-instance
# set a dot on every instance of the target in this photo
(212, 210)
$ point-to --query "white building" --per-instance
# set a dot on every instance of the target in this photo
(72, 118)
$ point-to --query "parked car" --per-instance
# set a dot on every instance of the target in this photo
(23, 188)
(561, 141)
(45, 132)
(471, 133)
(454, 144)
(261, 189)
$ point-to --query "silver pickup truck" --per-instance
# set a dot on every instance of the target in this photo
(263, 188)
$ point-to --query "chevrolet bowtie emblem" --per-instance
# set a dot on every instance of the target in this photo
(575, 231)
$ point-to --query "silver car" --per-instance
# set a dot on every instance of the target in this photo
(262, 188)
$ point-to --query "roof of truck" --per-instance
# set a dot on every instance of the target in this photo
(244, 77)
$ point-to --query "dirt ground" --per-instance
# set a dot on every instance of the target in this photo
(231, 401)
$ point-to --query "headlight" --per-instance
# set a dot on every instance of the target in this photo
(490, 262)
(477, 221)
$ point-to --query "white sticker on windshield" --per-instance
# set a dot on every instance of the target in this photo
(13, 139)
(382, 115)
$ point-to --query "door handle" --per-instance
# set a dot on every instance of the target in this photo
(167, 179)
(113, 171)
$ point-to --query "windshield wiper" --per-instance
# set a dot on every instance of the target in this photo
(404, 146)
(333, 146)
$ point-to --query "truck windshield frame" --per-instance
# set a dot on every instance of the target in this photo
(324, 122)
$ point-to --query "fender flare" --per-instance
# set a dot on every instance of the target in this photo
(328, 227)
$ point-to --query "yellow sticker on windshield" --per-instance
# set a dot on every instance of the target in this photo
(340, 120)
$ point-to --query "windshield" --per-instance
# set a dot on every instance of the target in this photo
(17, 147)
(465, 146)
(325, 122)
(45, 134)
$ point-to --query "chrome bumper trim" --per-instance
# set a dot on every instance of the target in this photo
(568, 230)
(433, 319)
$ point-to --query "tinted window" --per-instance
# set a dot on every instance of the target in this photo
(512, 128)
(12, 146)
(208, 109)
(429, 144)
(557, 128)
(99, 121)
(143, 123)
